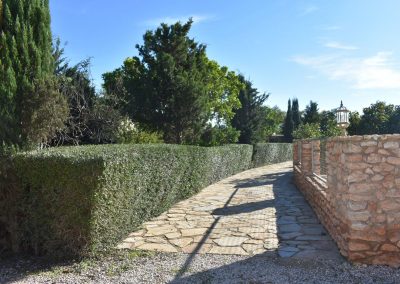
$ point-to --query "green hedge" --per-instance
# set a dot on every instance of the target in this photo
(82, 200)
(272, 153)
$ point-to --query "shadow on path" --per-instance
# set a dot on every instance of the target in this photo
(300, 233)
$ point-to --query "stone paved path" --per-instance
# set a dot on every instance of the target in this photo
(254, 212)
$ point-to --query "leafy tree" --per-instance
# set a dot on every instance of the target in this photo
(219, 135)
(375, 119)
(274, 120)
(394, 121)
(31, 109)
(311, 114)
(288, 125)
(166, 87)
(174, 87)
(223, 89)
(250, 118)
(307, 130)
(328, 124)
(296, 113)
(354, 120)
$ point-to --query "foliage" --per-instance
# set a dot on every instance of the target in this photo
(223, 88)
(172, 87)
(378, 118)
(296, 113)
(311, 114)
(219, 135)
(44, 113)
(274, 121)
(104, 122)
(129, 133)
(375, 118)
(271, 153)
(27, 89)
(288, 125)
(354, 126)
(328, 124)
(249, 119)
(76, 86)
(84, 199)
(166, 89)
(394, 121)
(307, 130)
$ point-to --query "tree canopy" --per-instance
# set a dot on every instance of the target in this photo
(250, 118)
(173, 87)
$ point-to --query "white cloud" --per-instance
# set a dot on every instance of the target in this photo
(172, 20)
(308, 10)
(338, 45)
(375, 72)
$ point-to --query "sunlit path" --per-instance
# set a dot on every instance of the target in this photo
(253, 212)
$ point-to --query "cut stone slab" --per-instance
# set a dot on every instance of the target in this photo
(287, 251)
(157, 231)
(289, 228)
(193, 232)
(288, 236)
(173, 235)
(158, 247)
(196, 247)
(230, 241)
(181, 242)
(262, 236)
(251, 248)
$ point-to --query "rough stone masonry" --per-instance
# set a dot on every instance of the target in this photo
(359, 202)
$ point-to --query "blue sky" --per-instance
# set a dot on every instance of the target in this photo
(313, 50)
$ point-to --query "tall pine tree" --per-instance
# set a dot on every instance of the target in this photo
(288, 125)
(296, 113)
(250, 119)
(31, 109)
(311, 114)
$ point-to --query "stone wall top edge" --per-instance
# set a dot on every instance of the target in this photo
(356, 138)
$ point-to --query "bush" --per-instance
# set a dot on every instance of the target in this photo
(219, 135)
(130, 133)
(308, 130)
(82, 200)
(271, 153)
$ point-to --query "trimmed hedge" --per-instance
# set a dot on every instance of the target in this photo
(76, 201)
(83, 200)
(272, 153)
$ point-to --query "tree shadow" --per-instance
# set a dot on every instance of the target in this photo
(301, 235)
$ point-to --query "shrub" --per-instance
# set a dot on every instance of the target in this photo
(82, 200)
(130, 133)
(308, 130)
(219, 135)
(271, 153)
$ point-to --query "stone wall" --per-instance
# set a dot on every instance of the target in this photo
(359, 202)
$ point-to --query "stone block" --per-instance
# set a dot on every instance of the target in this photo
(391, 145)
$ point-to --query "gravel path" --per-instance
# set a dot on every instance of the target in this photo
(134, 267)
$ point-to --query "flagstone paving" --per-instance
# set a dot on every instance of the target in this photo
(254, 212)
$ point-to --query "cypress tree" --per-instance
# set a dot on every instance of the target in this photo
(288, 125)
(296, 113)
(250, 118)
(30, 107)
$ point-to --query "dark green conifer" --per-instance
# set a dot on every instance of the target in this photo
(288, 125)
(27, 84)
